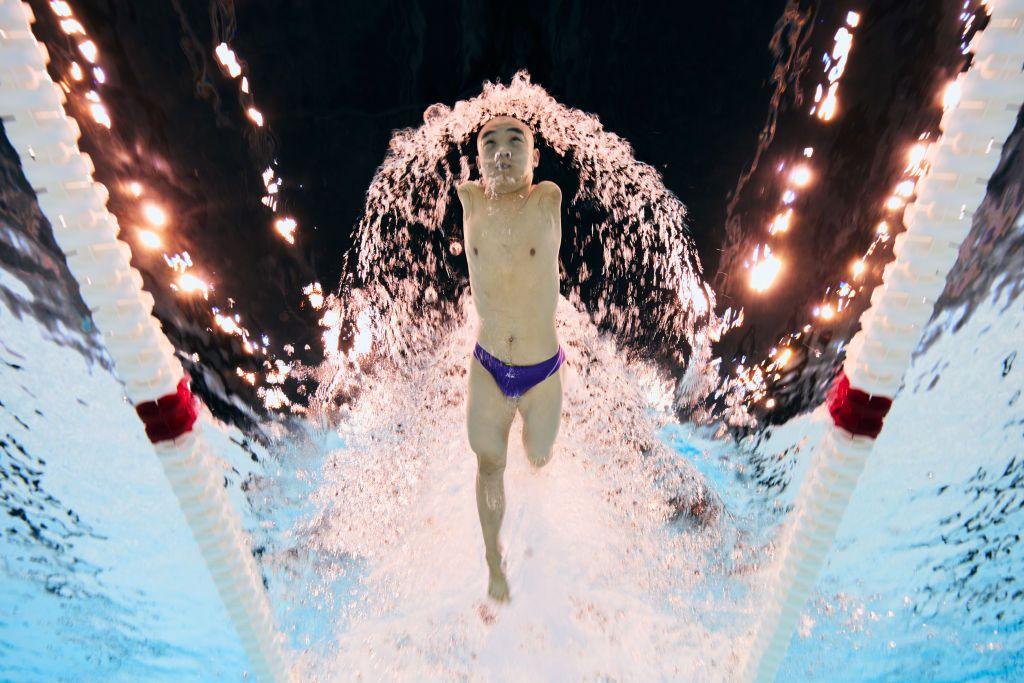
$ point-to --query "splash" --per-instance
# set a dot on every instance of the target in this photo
(617, 549)
(631, 265)
(623, 562)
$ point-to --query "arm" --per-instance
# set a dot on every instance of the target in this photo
(551, 195)
(466, 192)
(551, 201)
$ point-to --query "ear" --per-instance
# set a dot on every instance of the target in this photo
(536, 156)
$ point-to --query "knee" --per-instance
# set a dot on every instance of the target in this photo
(537, 452)
(490, 463)
(538, 455)
(490, 457)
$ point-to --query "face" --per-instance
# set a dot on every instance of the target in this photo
(506, 156)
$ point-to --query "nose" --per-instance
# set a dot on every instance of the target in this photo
(503, 154)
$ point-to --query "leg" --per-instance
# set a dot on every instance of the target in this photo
(489, 416)
(541, 408)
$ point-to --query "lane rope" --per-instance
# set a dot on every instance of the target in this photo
(937, 222)
(46, 140)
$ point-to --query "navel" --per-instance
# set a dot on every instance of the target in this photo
(474, 251)
(532, 251)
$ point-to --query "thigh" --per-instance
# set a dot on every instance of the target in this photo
(541, 408)
(489, 414)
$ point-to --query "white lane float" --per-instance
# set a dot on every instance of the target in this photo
(981, 109)
(46, 139)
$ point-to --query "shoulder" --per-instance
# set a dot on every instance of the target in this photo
(549, 191)
(550, 196)
(468, 189)
(468, 192)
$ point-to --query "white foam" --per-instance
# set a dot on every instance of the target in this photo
(602, 586)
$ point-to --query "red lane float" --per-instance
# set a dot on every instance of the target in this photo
(169, 416)
(856, 411)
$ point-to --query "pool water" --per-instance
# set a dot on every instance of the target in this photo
(102, 580)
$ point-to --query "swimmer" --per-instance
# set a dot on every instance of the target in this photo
(512, 232)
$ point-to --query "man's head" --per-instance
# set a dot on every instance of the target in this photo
(506, 156)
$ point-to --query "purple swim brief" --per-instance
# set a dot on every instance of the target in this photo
(516, 380)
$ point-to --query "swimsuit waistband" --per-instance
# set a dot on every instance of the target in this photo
(479, 350)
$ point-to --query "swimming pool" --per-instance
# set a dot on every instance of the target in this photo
(103, 581)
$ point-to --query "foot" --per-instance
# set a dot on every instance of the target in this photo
(498, 587)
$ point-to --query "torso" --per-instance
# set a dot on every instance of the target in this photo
(513, 271)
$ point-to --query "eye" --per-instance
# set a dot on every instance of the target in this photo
(489, 142)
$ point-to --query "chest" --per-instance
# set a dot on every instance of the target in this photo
(498, 238)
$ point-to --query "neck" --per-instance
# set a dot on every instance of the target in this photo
(515, 192)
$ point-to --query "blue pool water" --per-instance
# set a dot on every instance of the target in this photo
(102, 580)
